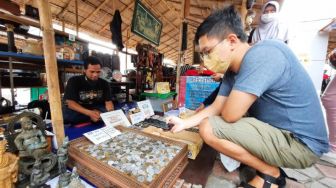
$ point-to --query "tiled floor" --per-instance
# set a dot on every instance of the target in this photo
(320, 175)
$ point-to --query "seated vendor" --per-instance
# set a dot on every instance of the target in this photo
(86, 96)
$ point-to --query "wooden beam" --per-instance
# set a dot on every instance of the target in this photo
(27, 21)
(94, 12)
(186, 8)
(76, 9)
(51, 69)
(10, 7)
(61, 14)
(169, 8)
(19, 19)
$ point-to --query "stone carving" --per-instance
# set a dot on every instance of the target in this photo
(75, 181)
(8, 167)
(62, 156)
(62, 159)
(38, 176)
(64, 180)
(31, 141)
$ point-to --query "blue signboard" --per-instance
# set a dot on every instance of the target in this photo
(198, 88)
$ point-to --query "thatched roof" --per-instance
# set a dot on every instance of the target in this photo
(94, 17)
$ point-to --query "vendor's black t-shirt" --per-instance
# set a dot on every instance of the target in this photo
(87, 94)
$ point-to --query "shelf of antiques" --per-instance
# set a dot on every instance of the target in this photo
(131, 159)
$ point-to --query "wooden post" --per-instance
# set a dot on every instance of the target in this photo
(51, 69)
(243, 12)
(127, 37)
(11, 44)
(76, 7)
(63, 25)
(180, 54)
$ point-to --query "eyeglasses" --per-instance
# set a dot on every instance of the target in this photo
(205, 54)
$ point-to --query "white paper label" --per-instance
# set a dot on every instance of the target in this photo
(114, 118)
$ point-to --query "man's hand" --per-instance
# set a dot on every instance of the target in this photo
(94, 115)
(178, 123)
(217, 77)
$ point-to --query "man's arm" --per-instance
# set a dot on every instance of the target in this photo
(210, 99)
(213, 109)
(93, 114)
(236, 105)
(109, 106)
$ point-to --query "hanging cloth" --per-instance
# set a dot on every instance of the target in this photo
(115, 27)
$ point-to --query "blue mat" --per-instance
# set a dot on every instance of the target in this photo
(75, 132)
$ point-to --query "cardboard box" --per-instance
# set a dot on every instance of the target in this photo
(193, 139)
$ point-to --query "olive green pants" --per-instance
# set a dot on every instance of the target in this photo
(271, 145)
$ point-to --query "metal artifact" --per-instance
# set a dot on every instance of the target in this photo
(75, 181)
(62, 156)
(64, 180)
(30, 141)
(38, 176)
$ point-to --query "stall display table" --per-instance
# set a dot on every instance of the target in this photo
(132, 159)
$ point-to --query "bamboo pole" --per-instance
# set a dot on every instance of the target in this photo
(180, 54)
(11, 44)
(76, 7)
(243, 12)
(51, 69)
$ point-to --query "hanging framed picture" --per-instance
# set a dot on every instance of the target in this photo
(145, 24)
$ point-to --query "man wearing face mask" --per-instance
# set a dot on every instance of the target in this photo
(270, 27)
(86, 96)
(286, 127)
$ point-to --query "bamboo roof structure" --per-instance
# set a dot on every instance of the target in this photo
(94, 17)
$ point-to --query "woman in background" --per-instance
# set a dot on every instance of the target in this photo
(270, 26)
(329, 103)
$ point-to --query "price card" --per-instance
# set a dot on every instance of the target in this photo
(146, 107)
(100, 135)
(116, 117)
(137, 117)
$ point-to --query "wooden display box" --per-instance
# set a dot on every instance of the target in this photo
(101, 174)
(193, 139)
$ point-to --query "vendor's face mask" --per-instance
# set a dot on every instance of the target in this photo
(269, 17)
(214, 62)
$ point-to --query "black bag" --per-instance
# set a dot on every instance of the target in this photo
(5, 106)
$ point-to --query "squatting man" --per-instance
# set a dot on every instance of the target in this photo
(285, 127)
